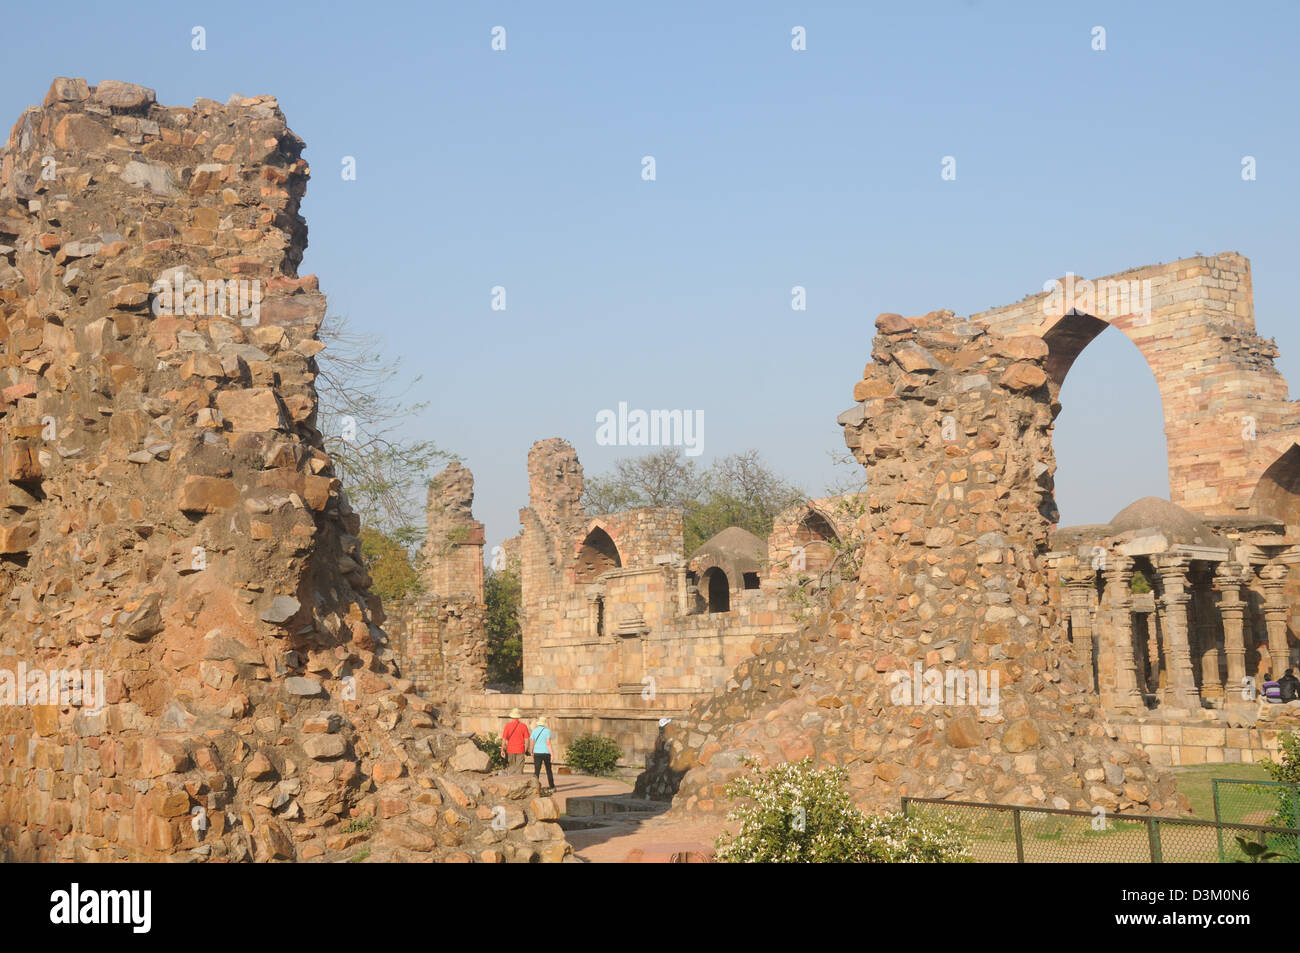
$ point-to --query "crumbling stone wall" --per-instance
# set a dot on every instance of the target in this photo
(451, 563)
(953, 426)
(173, 523)
(441, 632)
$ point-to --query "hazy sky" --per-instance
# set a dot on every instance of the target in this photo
(522, 169)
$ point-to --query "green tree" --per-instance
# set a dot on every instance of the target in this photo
(505, 648)
(389, 564)
(736, 490)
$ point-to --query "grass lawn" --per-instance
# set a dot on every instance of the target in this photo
(1195, 781)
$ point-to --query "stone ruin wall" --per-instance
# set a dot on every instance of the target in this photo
(171, 520)
(1230, 428)
(442, 633)
(953, 425)
(614, 656)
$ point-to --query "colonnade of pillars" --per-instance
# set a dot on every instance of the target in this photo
(1190, 628)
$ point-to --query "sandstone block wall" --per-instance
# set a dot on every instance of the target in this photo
(172, 522)
(442, 645)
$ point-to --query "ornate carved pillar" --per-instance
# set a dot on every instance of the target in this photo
(1081, 586)
(1118, 573)
(1273, 579)
(1207, 633)
(1180, 688)
(1230, 577)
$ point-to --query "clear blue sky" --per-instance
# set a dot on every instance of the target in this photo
(775, 168)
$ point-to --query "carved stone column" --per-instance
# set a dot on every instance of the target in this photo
(1081, 585)
(1207, 633)
(1118, 573)
(1273, 580)
(1180, 688)
(1230, 577)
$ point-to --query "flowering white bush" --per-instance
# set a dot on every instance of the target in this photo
(792, 813)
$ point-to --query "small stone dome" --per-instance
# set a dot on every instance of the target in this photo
(1153, 513)
(736, 550)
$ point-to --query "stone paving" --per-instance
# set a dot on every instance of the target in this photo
(629, 838)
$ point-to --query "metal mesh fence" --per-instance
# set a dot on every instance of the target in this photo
(1271, 803)
(1004, 833)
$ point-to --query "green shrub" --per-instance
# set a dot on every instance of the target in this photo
(1286, 771)
(362, 823)
(491, 746)
(792, 813)
(593, 754)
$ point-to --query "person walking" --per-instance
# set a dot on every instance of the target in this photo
(541, 741)
(514, 738)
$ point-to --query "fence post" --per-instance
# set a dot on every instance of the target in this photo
(1214, 785)
(906, 802)
(1020, 841)
(1153, 839)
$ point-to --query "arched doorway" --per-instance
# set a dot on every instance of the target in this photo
(716, 590)
(1109, 437)
(598, 555)
(816, 539)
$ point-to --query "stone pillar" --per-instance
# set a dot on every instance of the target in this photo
(1273, 581)
(1230, 577)
(1180, 688)
(1207, 633)
(1081, 586)
(1118, 574)
(684, 606)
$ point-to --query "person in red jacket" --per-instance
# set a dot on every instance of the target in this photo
(514, 738)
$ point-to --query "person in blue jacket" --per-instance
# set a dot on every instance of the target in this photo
(541, 742)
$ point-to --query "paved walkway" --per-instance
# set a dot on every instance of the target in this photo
(631, 839)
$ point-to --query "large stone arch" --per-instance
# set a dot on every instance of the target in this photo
(1193, 321)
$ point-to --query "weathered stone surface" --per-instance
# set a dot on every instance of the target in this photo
(122, 96)
(255, 409)
(281, 609)
(1023, 376)
(324, 747)
(157, 179)
(204, 494)
(303, 687)
(469, 757)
